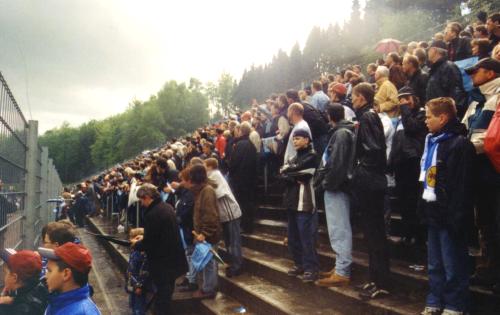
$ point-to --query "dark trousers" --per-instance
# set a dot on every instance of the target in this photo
(232, 239)
(302, 235)
(448, 271)
(245, 196)
(408, 192)
(370, 204)
(488, 222)
(163, 298)
(137, 303)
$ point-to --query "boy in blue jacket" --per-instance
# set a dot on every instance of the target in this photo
(67, 280)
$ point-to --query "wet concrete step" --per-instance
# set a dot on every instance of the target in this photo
(413, 283)
(345, 300)
(266, 296)
(413, 255)
(223, 305)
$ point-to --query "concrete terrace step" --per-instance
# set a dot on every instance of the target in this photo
(269, 297)
(398, 251)
(222, 305)
(343, 300)
(413, 283)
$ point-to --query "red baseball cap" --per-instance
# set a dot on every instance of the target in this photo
(339, 88)
(76, 256)
(25, 263)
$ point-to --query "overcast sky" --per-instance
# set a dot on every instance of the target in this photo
(76, 60)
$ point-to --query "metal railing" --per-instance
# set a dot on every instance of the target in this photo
(28, 177)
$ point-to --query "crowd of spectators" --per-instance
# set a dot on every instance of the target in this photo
(407, 136)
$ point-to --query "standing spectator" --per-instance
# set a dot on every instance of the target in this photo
(205, 223)
(447, 176)
(404, 161)
(421, 55)
(229, 216)
(417, 80)
(299, 200)
(79, 209)
(23, 293)
(296, 117)
(220, 143)
(480, 32)
(243, 175)
(162, 244)
(319, 98)
(493, 27)
(137, 277)
(370, 70)
(387, 95)
(369, 184)
(337, 93)
(337, 163)
(480, 48)
(485, 75)
(396, 74)
(458, 48)
(445, 79)
(67, 280)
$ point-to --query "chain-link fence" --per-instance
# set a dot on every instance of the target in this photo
(28, 177)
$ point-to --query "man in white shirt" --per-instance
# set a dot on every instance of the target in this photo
(295, 115)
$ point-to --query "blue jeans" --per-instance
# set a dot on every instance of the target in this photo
(210, 275)
(448, 271)
(337, 207)
(232, 239)
(137, 303)
(191, 274)
(302, 235)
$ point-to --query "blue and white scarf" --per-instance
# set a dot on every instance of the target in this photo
(428, 169)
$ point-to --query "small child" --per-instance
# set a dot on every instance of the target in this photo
(137, 277)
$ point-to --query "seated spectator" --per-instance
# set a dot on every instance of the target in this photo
(67, 280)
(23, 293)
(447, 205)
(299, 200)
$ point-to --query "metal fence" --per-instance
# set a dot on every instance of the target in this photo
(28, 177)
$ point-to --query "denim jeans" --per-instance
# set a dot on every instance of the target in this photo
(337, 207)
(191, 274)
(210, 275)
(232, 239)
(302, 235)
(137, 303)
(448, 270)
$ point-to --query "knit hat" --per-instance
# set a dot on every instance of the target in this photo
(339, 88)
(302, 133)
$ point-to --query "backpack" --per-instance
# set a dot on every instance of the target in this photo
(492, 140)
(317, 120)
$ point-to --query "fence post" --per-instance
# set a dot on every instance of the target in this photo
(44, 187)
(30, 184)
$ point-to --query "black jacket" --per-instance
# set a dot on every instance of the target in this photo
(243, 164)
(445, 80)
(459, 49)
(317, 121)
(184, 213)
(300, 169)
(369, 171)
(453, 208)
(29, 300)
(162, 243)
(408, 143)
(418, 82)
(340, 157)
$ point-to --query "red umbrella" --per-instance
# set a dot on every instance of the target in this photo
(387, 45)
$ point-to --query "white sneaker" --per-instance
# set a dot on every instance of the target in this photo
(431, 311)
(449, 312)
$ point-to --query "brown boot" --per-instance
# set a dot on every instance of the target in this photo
(327, 274)
(334, 281)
